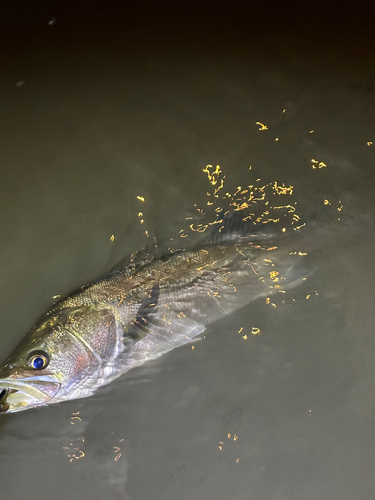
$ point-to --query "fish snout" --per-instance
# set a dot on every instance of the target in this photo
(21, 394)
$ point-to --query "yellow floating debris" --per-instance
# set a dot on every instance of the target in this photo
(262, 126)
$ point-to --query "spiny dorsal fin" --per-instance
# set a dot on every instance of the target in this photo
(135, 261)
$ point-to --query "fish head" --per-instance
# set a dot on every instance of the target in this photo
(26, 381)
(50, 364)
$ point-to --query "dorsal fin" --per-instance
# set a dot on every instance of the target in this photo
(135, 261)
(232, 227)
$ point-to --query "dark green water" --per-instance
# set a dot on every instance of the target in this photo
(110, 103)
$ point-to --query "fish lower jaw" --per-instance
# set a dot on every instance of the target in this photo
(19, 395)
(13, 401)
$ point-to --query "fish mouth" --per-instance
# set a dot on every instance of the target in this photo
(22, 394)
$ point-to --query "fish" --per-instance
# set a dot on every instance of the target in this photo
(148, 305)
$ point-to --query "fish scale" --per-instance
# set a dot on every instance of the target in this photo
(136, 313)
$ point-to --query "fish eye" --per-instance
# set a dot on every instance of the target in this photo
(38, 360)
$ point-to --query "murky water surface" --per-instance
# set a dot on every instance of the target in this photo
(93, 120)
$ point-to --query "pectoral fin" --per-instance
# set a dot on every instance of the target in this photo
(143, 320)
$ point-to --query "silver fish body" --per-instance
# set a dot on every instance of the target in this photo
(137, 313)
